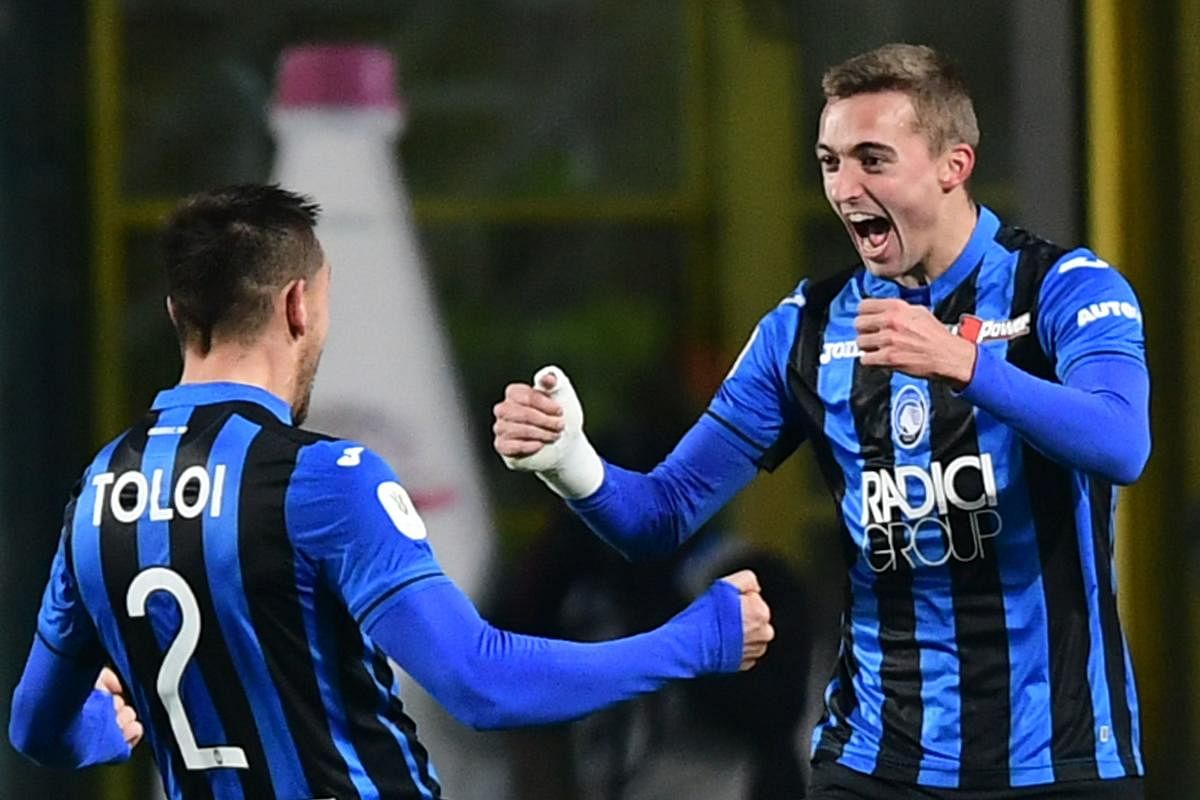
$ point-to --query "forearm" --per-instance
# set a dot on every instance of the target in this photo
(58, 719)
(1098, 421)
(649, 515)
(489, 678)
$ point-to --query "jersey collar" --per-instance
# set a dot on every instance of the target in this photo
(944, 285)
(210, 393)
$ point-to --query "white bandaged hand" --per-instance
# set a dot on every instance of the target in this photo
(570, 466)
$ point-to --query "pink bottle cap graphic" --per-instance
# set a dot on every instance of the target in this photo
(344, 75)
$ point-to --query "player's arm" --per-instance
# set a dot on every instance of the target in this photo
(359, 526)
(490, 678)
(1096, 419)
(747, 427)
(67, 710)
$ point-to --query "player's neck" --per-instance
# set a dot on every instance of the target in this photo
(230, 363)
(959, 219)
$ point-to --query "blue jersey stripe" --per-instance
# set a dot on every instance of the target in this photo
(1019, 564)
(221, 538)
(154, 532)
(85, 554)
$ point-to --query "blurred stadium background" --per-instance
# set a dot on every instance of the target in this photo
(622, 188)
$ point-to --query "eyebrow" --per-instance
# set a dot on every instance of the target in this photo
(860, 149)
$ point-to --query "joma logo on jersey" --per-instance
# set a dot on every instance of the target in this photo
(906, 513)
(974, 329)
(1109, 308)
(130, 494)
(832, 351)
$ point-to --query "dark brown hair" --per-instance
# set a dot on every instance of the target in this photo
(229, 251)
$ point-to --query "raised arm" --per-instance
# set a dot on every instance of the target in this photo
(748, 426)
(489, 678)
(358, 524)
(1095, 417)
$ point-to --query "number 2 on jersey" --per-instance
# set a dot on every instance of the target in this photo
(161, 579)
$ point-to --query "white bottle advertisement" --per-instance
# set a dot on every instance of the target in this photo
(387, 376)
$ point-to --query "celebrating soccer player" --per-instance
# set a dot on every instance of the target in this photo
(248, 580)
(972, 394)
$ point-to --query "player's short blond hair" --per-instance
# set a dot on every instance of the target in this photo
(945, 113)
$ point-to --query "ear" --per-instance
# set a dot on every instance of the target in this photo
(956, 166)
(171, 311)
(294, 308)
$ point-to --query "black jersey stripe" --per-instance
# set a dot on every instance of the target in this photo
(803, 366)
(379, 752)
(980, 632)
(384, 677)
(269, 579)
(1100, 497)
(899, 756)
(844, 700)
(1051, 500)
(119, 560)
(212, 655)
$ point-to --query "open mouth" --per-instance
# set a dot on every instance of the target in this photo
(872, 232)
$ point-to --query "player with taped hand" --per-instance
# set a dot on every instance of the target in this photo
(973, 396)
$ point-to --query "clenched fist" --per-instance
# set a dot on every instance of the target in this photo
(539, 429)
(127, 719)
(908, 338)
(756, 617)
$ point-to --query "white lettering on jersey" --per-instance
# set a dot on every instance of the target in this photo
(207, 492)
(920, 531)
(167, 430)
(977, 330)
(1108, 308)
(351, 457)
(1082, 262)
(400, 509)
(831, 351)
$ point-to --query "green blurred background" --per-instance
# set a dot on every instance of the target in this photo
(622, 188)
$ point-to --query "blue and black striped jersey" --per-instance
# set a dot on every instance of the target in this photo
(228, 562)
(980, 642)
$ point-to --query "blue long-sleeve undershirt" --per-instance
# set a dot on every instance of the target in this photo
(1097, 421)
(58, 718)
(489, 678)
(485, 677)
(649, 515)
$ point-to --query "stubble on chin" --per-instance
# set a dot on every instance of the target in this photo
(305, 378)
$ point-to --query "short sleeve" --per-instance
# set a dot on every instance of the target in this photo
(63, 621)
(753, 404)
(1086, 308)
(348, 513)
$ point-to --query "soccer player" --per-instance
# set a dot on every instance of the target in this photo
(972, 394)
(249, 580)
